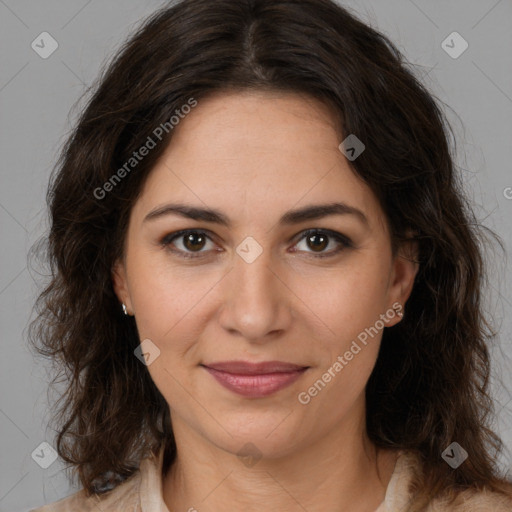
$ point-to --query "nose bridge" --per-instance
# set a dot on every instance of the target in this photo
(252, 269)
(255, 302)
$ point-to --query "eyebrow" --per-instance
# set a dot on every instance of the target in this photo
(311, 212)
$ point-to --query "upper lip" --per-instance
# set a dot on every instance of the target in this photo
(248, 368)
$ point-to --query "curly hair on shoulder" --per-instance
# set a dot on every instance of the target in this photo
(430, 383)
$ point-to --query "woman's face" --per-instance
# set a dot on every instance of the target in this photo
(255, 287)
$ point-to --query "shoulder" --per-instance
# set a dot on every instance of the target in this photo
(407, 475)
(124, 497)
(472, 500)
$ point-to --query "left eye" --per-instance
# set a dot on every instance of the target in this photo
(192, 242)
(321, 238)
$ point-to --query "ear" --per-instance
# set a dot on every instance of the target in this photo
(403, 273)
(120, 284)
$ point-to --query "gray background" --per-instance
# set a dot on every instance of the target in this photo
(36, 100)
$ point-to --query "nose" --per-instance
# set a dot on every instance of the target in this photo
(256, 301)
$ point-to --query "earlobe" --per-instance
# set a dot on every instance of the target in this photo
(411, 261)
(120, 284)
(406, 267)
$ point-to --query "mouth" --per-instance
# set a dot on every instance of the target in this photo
(255, 380)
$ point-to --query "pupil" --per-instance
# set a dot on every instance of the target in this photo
(189, 241)
(322, 244)
(196, 241)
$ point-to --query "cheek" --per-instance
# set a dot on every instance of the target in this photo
(349, 305)
(168, 310)
(166, 297)
(350, 308)
(351, 299)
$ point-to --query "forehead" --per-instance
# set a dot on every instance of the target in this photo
(256, 152)
(262, 122)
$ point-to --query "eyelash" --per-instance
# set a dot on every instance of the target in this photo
(345, 242)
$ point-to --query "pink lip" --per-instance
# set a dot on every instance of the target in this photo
(255, 379)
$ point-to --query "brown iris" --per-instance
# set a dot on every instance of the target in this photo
(313, 241)
(194, 241)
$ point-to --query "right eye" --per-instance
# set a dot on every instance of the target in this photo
(191, 241)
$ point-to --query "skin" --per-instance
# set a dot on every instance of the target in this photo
(254, 156)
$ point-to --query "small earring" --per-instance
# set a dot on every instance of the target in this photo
(124, 309)
(400, 313)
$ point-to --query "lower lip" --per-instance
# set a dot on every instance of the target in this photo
(255, 386)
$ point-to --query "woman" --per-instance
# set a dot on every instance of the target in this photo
(266, 280)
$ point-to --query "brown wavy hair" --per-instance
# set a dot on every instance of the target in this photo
(430, 383)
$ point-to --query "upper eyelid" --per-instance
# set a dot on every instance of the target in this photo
(182, 232)
(338, 237)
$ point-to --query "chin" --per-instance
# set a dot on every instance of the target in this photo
(267, 435)
(252, 448)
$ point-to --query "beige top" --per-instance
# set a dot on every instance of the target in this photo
(142, 492)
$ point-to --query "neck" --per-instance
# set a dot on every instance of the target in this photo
(341, 471)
